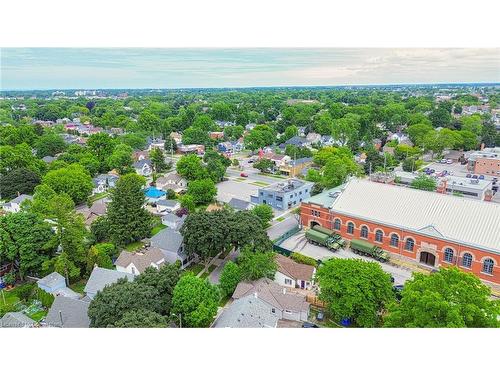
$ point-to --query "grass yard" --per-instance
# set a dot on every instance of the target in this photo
(195, 268)
(38, 315)
(157, 228)
(273, 175)
(95, 197)
(240, 179)
(280, 219)
(78, 286)
(11, 297)
(134, 246)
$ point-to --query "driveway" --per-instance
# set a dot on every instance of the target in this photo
(278, 228)
(214, 276)
(298, 243)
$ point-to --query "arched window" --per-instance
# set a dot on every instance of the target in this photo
(350, 228)
(448, 255)
(409, 244)
(379, 235)
(394, 240)
(488, 265)
(467, 260)
(364, 231)
(336, 224)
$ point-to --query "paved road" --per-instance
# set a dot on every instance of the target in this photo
(253, 174)
(298, 243)
(282, 227)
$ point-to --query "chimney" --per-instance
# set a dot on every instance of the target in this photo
(442, 186)
(60, 317)
(488, 195)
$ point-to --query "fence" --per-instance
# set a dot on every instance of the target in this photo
(287, 235)
(315, 301)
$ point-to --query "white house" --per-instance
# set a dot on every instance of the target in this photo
(15, 204)
(292, 274)
(167, 205)
(103, 182)
(136, 263)
(172, 181)
(102, 277)
(143, 167)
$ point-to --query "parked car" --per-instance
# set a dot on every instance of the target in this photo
(309, 325)
(250, 161)
(443, 161)
(426, 169)
(468, 175)
(475, 176)
(449, 161)
(481, 177)
(243, 174)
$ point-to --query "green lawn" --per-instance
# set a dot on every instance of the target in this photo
(38, 315)
(224, 300)
(279, 219)
(195, 268)
(78, 286)
(134, 246)
(273, 175)
(95, 197)
(11, 297)
(157, 228)
(259, 183)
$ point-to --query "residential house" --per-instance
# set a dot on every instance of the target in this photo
(102, 277)
(278, 160)
(283, 302)
(156, 143)
(240, 204)
(191, 149)
(216, 135)
(170, 242)
(283, 195)
(250, 126)
(172, 181)
(313, 138)
(15, 204)
(167, 205)
(48, 159)
(294, 168)
(301, 131)
(177, 137)
(98, 208)
(298, 141)
(140, 155)
(223, 124)
(143, 167)
(292, 274)
(16, 319)
(173, 221)
(55, 284)
(247, 312)
(327, 141)
(136, 263)
(68, 313)
(400, 137)
(103, 182)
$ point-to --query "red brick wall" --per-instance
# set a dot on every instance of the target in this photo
(487, 166)
(430, 244)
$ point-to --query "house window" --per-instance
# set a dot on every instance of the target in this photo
(273, 310)
(288, 311)
(336, 224)
(448, 255)
(379, 235)
(488, 266)
(350, 228)
(394, 240)
(288, 282)
(409, 244)
(364, 231)
(467, 260)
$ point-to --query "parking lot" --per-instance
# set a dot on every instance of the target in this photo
(233, 188)
(455, 169)
(299, 244)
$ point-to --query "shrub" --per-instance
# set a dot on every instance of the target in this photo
(299, 258)
(25, 292)
(45, 298)
(9, 278)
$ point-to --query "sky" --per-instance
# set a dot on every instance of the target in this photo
(72, 68)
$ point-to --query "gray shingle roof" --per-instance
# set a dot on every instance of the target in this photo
(16, 320)
(239, 204)
(73, 312)
(170, 217)
(167, 203)
(21, 198)
(141, 260)
(247, 312)
(101, 277)
(52, 280)
(167, 239)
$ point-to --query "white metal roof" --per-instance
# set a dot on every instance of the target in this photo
(462, 220)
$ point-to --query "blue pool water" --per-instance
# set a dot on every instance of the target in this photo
(153, 192)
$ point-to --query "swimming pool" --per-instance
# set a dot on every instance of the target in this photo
(154, 192)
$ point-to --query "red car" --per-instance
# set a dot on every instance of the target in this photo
(243, 174)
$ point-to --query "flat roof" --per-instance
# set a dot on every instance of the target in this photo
(286, 185)
(467, 221)
(326, 197)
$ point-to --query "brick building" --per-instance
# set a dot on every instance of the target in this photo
(486, 162)
(435, 230)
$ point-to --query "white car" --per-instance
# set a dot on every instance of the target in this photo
(449, 161)
(443, 161)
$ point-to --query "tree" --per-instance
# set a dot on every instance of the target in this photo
(27, 240)
(411, 164)
(221, 111)
(355, 289)
(447, 298)
(121, 159)
(158, 160)
(102, 145)
(418, 132)
(203, 191)
(195, 301)
(187, 202)
(290, 132)
(234, 132)
(229, 278)
(73, 180)
(110, 304)
(246, 231)
(346, 129)
(127, 219)
(62, 265)
(259, 137)
(191, 167)
(136, 141)
(170, 145)
(264, 212)
(100, 255)
(195, 135)
(423, 182)
(469, 140)
(440, 116)
(20, 156)
(323, 124)
(473, 124)
(141, 319)
(256, 265)
(149, 121)
(336, 171)
(18, 181)
(49, 144)
(264, 165)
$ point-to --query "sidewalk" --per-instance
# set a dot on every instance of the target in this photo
(215, 274)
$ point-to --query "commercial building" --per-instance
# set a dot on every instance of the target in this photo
(486, 162)
(283, 195)
(434, 230)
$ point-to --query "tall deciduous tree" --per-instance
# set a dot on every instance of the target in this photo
(121, 159)
(448, 298)
(355, 289)
(18, 181)
(203, 191)
(191, 167)
(423, 182)
(73, 180)
(195, 301)
(49, 144)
